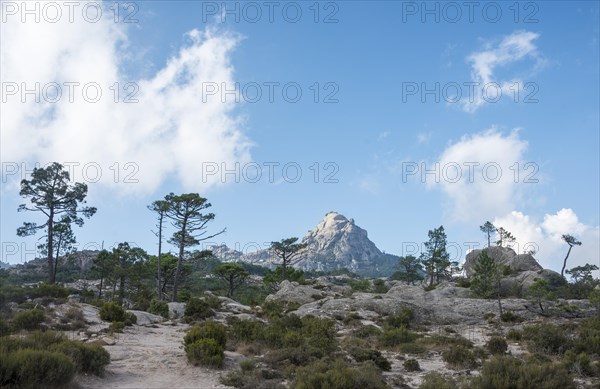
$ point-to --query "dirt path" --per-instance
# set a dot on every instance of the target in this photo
(146, 357)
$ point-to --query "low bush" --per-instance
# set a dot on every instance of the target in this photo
(379, 286)
(360, 285)
(111, 311)
(88, 358)
(394, 337)
(459, 357)
(367, 331)
(588, 339)
(207, 330)
(496, 345)
(435, 380)
(510, 317)
(547, 338)
(580, 364)
(197, 309)
(245, 330)
(510, 372)
(513, 334)
(158, 307)
(411, 365)
(365, 354)
(338, 375)
(414, 348)
(205, 352)
(28, 320)
(29, 368)
(401, 319)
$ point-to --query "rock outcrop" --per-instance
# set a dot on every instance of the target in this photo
(504, 256)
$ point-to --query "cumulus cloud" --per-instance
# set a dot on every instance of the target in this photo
(168, 133)
(512, 48)
(544, 236)
(477, 174)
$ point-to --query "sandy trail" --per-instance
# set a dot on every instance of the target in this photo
(146, 357)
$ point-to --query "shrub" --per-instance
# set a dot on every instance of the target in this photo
(360, 285)
(588, 339)
(411, 365)
(514, 334)
(379, 286)
(88, 358)
(245, 330)
(364, 354)
(206, 352)
(28, 320)
(4, 328)
(158, 307)
(547, 338)
(510, 372)
(130, 318)
(401, 319)
(463, 282)
(579, 364)
(111, 311)
(367, 331)
(207, 330)
(197, 309)
(412, 348)
(496, 345)
(116, 326)
(435, 380)
(510, 317)
(35, 369)
(247, 365)
(396, 336)
(324, 374)
(460, 357)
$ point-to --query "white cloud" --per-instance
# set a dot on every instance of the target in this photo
(383, 135)
(168, 134)
(545, 237)
(476, 176)
(512, 48)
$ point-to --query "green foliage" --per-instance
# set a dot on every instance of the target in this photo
(411, 269)
(273, 277)
(395, 336)
(411, 365)
(402, 319)
(485, 281)
(28, 320)
(197, 309)
(496, 345)
(88, 358)
(205, 352)
(435, 380)
(379, 286)
(159, 308)
(540, 292)
(547, 338)
(287, 250)
(361, 354)
(367, 331)
(233, 274)
(588, 339)
(338, 375)
(245, 330)
(207, 330)
(112, 311)
(459, 357)
(509, 372)
(360, 285)
(580, 364)
(463, 282)
(514, 334)
(510, 317)
(435, 258)
(36, 368)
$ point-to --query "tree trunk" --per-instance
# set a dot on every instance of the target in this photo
(160, 224)
(284, 268)
(489, 242)
(50, 248)
(562, 271)
(56, 256)
(101, 282)
(121, 290)
(180, 259)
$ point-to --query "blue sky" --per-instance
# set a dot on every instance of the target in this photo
(366, 128)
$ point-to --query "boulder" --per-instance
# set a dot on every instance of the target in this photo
(505, 256)
(292, 292)
(176, 310)
(145, 318)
